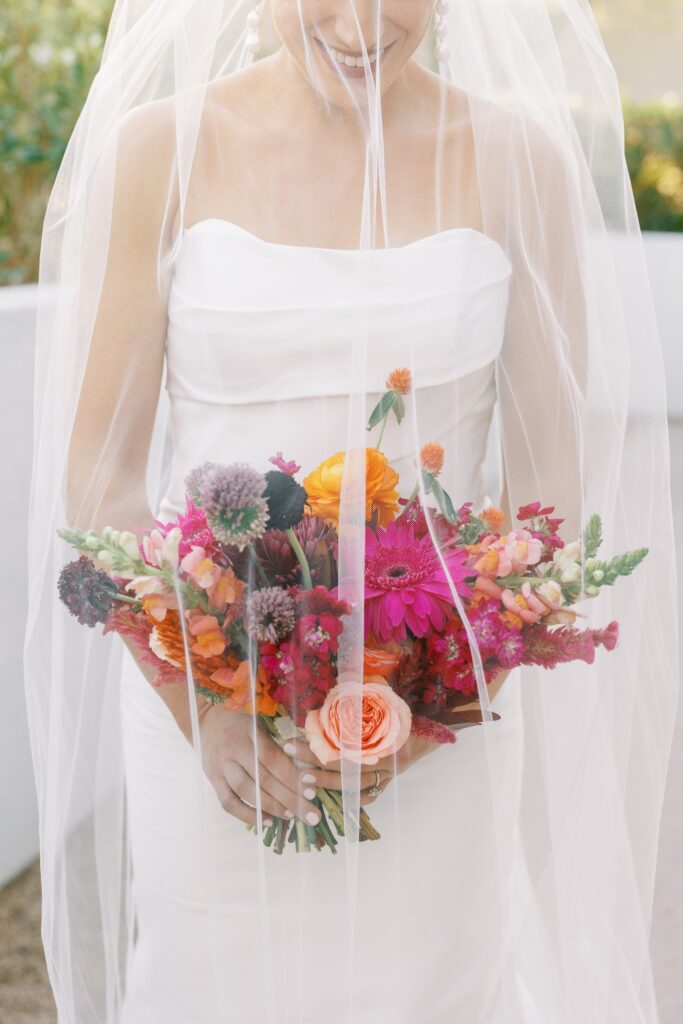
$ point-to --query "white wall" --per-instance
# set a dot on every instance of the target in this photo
(18, 842)
(18, 812)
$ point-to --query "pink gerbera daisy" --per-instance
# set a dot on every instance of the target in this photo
(405, 585)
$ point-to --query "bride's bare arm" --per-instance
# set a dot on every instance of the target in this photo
(122, 377)
(106, 477)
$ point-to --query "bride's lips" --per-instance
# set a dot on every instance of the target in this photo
(345, 69)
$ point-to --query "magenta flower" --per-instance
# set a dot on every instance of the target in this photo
(289, 467)
(405, 585)
(193, 528)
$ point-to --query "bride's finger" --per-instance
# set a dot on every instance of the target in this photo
(299, 750)
(330, 776)
(367, 797)
(244, 787)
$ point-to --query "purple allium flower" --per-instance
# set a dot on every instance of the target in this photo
(232, 497)
(86, 591)
(194, 479)
(269, 614)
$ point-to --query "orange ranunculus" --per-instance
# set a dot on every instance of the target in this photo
(370, 712)
(235, 686)
(323, 487)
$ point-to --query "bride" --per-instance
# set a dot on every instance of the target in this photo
(264, 216)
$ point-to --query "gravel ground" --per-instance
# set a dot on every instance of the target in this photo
(24, 991)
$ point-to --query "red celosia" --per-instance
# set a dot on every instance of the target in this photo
(430, 729)
(193, 528)
(549, 647)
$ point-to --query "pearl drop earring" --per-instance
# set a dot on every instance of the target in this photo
(253, 42)
(441, 50)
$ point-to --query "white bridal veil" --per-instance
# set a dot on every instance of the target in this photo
(492, 161)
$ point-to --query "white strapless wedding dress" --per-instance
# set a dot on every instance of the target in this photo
(257, 361)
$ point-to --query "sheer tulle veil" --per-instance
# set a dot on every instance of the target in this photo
(524, 127)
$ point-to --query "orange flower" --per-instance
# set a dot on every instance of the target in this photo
(400, 380)
(323, 487)
(236, 689)
(209, 637)
(381, 661)
(226, 589)
(493, 517)
(431, 457)
(157, 605)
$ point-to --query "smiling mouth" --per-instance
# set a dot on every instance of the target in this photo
(351, 63)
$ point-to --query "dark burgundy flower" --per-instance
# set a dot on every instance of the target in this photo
(87, 592)
(285, 499)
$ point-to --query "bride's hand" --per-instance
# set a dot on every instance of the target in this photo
(232, 765)
(379, 774)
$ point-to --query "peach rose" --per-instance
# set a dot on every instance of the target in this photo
(384, 722)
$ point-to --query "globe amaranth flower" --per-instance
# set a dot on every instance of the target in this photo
(234, 503)
(269, 614)
(400, 380)
(405, 584)
(87, 592)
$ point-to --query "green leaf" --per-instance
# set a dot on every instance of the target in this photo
(429, 480)
(384, 406)
(444, 502)
(399, 407)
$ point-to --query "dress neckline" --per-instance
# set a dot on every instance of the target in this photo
(438, 237)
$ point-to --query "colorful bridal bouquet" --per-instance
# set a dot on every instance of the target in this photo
(243, 585)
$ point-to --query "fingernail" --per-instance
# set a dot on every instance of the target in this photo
(309, 793)
(312, 818)
(289, 748)
(308, 777)
(289, 814)
(267, 822)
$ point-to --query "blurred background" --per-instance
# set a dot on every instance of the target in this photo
(49, 52)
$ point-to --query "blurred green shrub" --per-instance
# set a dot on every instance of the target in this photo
(654, 154)
(49, 53)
